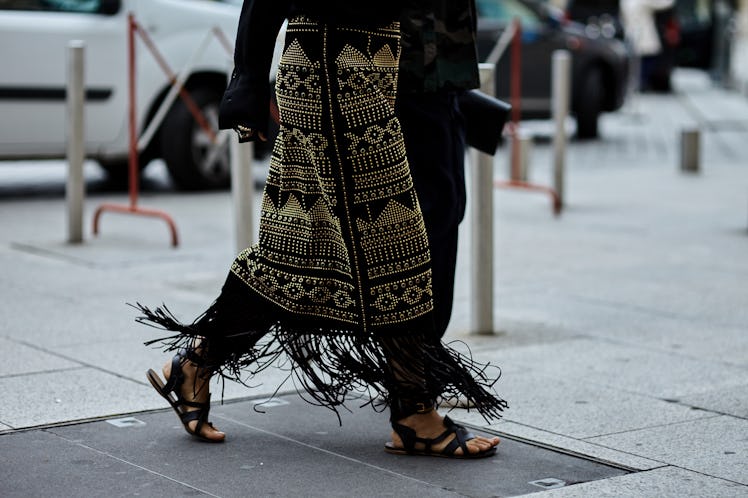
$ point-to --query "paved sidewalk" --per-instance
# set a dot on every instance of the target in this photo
(623, 332)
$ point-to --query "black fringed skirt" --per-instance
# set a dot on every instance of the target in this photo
(339, 284)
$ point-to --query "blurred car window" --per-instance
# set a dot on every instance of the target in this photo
(599, 64)
(52, 5)
(694, 13)
(33, 38)
(506, 10)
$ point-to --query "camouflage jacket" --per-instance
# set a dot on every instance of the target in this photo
(438, 46)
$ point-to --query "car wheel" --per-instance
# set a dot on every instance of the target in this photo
(590, 104)
(194, 162)
(118, 172)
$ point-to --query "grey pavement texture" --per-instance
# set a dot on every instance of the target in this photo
(291, 450)
(622, 330)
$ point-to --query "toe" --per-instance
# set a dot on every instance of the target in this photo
(480, 444)
(209, 432)
(215, 435)
(212, 433)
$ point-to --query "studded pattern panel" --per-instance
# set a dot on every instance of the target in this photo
(341, 233)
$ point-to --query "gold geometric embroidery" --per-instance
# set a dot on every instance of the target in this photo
(394, 213)
(386, 302)
(294, 55)
(349, 176)
(351, 57)
(384, 57)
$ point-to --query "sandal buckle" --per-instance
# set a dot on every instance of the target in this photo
(423, 408)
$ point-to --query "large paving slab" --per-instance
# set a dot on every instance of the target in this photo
(632, 369)
(716, 446)
(607, 290)
(578, 409)
(70, 323)
(716, 108)
(293, 449)
(667, 482)
(21, 359)
(522, 318)
(39, 463)
(50, 398)
(731, 401)
(564, 444)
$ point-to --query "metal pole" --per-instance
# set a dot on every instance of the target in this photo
(481, 196)
(524, 142)
(721, 40)
(133, 159)
(561, 94)
(481, 313)
(75, 188)
(690, 153)
(242, 192)
(515, 91)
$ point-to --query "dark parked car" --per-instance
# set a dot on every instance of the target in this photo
(605, 16)
(693, 33)
(599, 64)
(597, 14)
(706, 28)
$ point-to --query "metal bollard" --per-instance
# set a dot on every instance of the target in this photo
(75, 187)
(523, 143)
(242, 191)
(561, 94)
(690, 153)
(481, 199)
(481, 300)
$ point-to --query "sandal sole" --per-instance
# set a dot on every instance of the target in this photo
(470, 456)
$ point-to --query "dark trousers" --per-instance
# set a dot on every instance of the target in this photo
(434, 133)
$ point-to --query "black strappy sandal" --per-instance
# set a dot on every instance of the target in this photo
(462, 436)
(174, 385)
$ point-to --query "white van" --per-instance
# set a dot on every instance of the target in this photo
(34, 35)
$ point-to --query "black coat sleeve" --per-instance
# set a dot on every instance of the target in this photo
(246, 100)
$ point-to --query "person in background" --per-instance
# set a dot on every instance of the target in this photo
(638, 17)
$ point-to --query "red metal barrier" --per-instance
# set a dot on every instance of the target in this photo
(224, 40)
(515, 89)
(133, 166)
(183, 94)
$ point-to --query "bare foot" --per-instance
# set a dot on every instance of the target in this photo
(431, 425)
(195, 390)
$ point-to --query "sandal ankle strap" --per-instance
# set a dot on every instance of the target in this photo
(400, 409)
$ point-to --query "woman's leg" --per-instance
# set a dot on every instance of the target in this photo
(195, 388)
(412, 402)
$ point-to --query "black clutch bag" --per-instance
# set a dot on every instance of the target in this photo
(485, 117)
